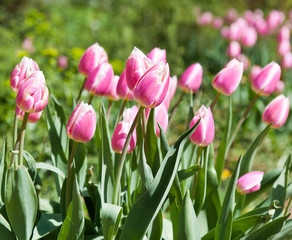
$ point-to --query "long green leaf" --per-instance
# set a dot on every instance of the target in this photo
(20, 192)
(47, 224)
(188, 172)
(147, 206)
(111, 217)
(188, 228)
(157, 226)
(3, 168)
(224, 223)
(49, 167)
(5, 230)
(285, 233)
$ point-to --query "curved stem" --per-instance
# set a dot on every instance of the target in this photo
(173, 110)
(69, 172)
(90, 99)
(144, 123)
(215, 101)
(122, 110)
(288, 206)
(110, 103)
(14, 138)
(81, 90)
(193, 193)
(241, 121)
(118, 175)
(22, 135)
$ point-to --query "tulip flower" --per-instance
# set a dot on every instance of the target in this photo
(266, 82)
(283, 47)
(235, 31)
(137, 64)
(284, 33)
(171, 91)
(249, 17)
(231, 15)
(204, 133)
(112, 92)
(91, 59)
(228, 79)
(280, 87)
(274, 19)
(244, 59)
(249, 182)
(122, 88)
(157, 55)
(82, 123)
(254, 72)
(217, 23)
(32, 117)
(98, 81)
(233, 49)
(191, 79)
(205, 18)
(161, 117)
(276, 112)
(287, 61)
(152, 87)
(33, 94)
(62, 61)
(21, 71)
(225, 32)
(129, 114)
(249, 37)
(119, 137)
(261, 26)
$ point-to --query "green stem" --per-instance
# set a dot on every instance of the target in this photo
(110, 103)
(69, 176)
(121, 111)
(81, 90)
(90, 99)
(288, 206)
(173, 110)
(241, 121)
(123, 156)
(215, 101)
(144, 123)
(22, 135)
(14, 139)
(193, 193)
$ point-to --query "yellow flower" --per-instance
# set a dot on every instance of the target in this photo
(226, 174)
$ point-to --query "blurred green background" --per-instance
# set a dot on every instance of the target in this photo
(64, 27)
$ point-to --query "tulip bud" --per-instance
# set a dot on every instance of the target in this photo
(161, 117)
(287, 61)
(217, 23)
(254, 72)
(98, 81)
(284, 33)
(274, 19)
(266, 82)
(191, 79)
(137, 64)
(62, 61)
(249, 17)
(32, 117)
(21, 71)
(204, 133)
(82, 123)
(228, 79)
(33, 94)
(122, 88)
(91, 59)
(112, 92)
(233, 49)
(249, 37)
(225, 32)
(280, 87)
(235, 31)
(205, 18)
(261, 26)
(119, 137)
(249, 182)
(171, 91)
(157, 55)
(276, 112)
(129, 114)
(283, 47)
(152, 87)
(231, 15)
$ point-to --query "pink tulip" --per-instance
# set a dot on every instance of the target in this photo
(280, 87)
(276, 112)
(91, 59)
(283, 47)
(112, 91)
(21, 71)
(284, 33)
(204, 133)
(274, 19)
(119, 137)
(254, 72)
(249, 37)
(129, 114)
(235, 31)
(205, 18)
(171, 91)
(231, 15)
(249, 182)
(33, 94)
(287, 61)
(122, 88)
(98, 81)
(266, 82)
(27, 45)
(62, 61)
(234, 49)
(261, 26)
(249, 17)
(157, 55)
(217, 23)
(152, 87)
(137, 64)
(245, 60)
(225, 32)
(191, 79)
(82, 123)
(32, 117)
(228, 79)
(161, 117)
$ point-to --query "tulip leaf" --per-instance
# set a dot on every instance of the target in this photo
(151, 144)
(157, 226)
(267, 230)
(3, 169)
(49, 167)
(80, 161)
(167, 230)
(5, 229)
(47, 224)
(111, 217)
(285, 233)
(188, 227)
(163, 142)
(30, 161)
(73, 225)
(20, 192)
(150, 202)
(250, 153)
(189, 172)
(224, 223)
